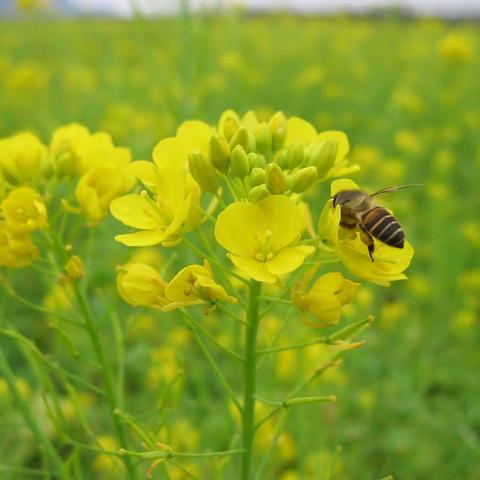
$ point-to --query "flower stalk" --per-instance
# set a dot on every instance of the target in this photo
(249, 377)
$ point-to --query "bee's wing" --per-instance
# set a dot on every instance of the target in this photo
(397, 187)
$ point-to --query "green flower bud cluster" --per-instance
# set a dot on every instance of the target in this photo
(257, 159)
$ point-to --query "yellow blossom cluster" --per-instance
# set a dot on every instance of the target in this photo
(250, 178)
(31, 174)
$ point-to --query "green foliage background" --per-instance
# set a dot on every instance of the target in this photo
(408, 402)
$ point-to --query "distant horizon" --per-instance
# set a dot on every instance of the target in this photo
(420, 7)
(128, 8)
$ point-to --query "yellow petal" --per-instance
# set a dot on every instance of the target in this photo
(171, 152)
(174, 305)
(283, 218)
(341, 138)
(215, 291)
(135, 211)
(324, 306)
(146, 238)
(179, 216)
(329, 282)
(180, 288)
(340, 171)
(389, 262)
(171, 186)
(145, 171)
(289, 259)
(195, 135)
(237, 227)
(299, 130)
(253, 268)
(342, 184)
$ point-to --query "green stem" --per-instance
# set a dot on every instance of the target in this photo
(225, 310)
(317, 372)
(224, 349)
(31, 420)
(110, 390)
(266, 351)
(249, 372)
(168, 454)
(216, 369)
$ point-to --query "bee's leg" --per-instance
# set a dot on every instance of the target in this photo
(367, 239)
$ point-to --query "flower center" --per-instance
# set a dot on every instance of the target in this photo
(264, 254)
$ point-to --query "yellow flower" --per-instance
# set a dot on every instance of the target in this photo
(76, 150)
(141, 284)
(66, 147)
(24, 211)
(195, 285)
(261, 237)
(99, 186)
(160, 219)
(325, 298)
(74, 267)
(15, 250)
(389, 262)
(21, 158)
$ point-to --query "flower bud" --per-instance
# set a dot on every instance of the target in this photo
(303, 179)
(220, 153)
(74, 267)
(244, 138)
(228, 124)
(258, 193)
(294, 155)
(278, 129)
(257, 176)
(256, 160)
(323, 156)
(239, 162)
(263, 137)
(240, 137)
(276, 180)
(203, 172)
(291, 402)
(141, 284)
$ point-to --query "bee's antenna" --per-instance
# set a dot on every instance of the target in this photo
(398, 187)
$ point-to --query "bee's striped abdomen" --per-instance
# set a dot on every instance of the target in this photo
(383, 226)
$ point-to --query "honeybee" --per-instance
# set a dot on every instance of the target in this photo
(359, 210)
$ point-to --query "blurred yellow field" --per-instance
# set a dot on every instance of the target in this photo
(180, 295)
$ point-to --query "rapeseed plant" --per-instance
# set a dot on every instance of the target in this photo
(235, 195)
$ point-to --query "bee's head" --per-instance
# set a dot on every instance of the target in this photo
(348, 198)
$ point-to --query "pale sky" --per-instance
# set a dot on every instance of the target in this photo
(125, 7)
